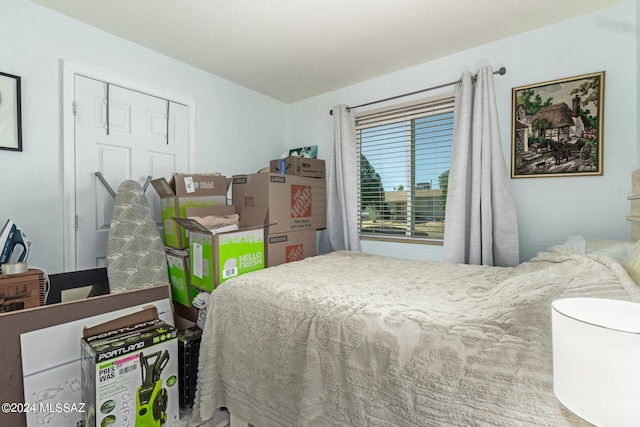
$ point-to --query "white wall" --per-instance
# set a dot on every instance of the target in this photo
(34, 40)
(549, 209)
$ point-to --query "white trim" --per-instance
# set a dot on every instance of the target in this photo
(69, 71)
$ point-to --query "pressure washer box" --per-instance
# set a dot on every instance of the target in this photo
(219, 256)
(130, 373)
(295, 203)
(187, 191)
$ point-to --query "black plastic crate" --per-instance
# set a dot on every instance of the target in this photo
(188, 353)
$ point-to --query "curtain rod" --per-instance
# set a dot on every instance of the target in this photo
(502, 71)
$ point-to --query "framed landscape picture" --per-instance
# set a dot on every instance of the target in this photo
(10, 119)
(557, 127)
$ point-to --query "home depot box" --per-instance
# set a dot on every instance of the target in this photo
(300, 166)
(219, 256)
(187, 191)
(130, 375)
(180, 276)
(295, 203)
(292, 246)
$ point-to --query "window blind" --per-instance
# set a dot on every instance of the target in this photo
(404, 153)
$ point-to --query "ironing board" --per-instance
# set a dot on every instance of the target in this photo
(135, 252)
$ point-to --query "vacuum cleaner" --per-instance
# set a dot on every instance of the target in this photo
(10, 238)
(151, 398)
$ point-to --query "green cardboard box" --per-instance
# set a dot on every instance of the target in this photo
(130, 375)
(180, 277)
(186, 191)
(219, 256)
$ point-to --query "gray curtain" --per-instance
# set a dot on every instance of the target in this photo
(480, 223)
(342, 187)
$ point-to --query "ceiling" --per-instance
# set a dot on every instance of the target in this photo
(295, 49)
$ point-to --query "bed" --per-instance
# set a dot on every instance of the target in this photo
(353, 339)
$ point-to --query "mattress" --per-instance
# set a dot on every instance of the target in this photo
(352, 339)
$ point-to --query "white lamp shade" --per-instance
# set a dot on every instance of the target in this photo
(596, 359)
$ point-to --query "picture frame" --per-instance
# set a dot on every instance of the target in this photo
(557, 127)
(10, 113)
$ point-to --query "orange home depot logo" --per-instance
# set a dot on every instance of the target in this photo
(300, 201)
(294, 253)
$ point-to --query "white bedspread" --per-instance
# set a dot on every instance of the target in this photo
(350, 339)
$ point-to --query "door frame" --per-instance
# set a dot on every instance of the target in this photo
(69, 71)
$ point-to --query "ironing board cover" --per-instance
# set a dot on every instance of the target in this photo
(135, 252)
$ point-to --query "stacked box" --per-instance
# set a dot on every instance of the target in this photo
(187, 191)
(300, 166)
(180, 277)
(219, 256)
(294, 203)
(296, 209)
(130, 375)
(282, 248)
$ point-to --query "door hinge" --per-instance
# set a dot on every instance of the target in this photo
(76, 222)
(75, 108)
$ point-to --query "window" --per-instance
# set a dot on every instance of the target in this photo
(405, 152)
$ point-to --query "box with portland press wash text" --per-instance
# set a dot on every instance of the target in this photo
(130, 373)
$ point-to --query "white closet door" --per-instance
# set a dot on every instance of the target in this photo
(123, 134)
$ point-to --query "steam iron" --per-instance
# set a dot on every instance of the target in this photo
(11, 237)
(151, 398)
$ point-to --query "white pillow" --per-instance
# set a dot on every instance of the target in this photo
(576, 244)
(616, 249)
(632, 264)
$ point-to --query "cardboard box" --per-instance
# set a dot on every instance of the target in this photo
(203, 184)
(217, 257)
(288, 247)
(187, 191)
(130, 372)
(185, 314)
(295, 203)
(180, 277)
(299, 166)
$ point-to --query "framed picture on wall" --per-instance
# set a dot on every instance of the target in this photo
(10, 116)
(557, 127)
